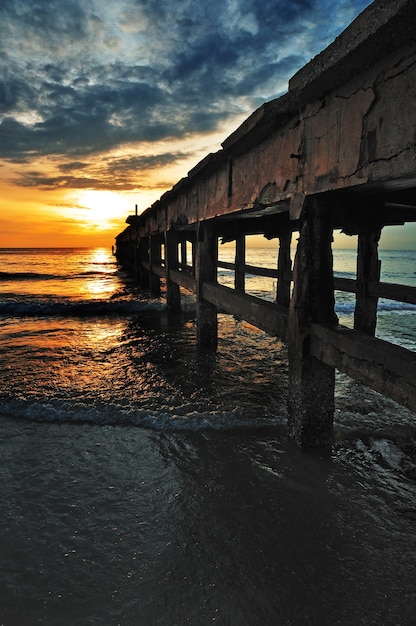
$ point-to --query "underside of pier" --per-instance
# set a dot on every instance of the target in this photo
(338, 151)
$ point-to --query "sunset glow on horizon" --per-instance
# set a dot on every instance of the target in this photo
(55, 213)
(106, 107)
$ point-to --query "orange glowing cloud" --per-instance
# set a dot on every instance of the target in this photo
(59, 202)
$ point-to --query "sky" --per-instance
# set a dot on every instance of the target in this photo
(106, 104)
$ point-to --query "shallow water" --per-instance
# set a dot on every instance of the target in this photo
(145, 481)
(113, 525)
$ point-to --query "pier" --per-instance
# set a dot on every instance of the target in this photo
(336, 152)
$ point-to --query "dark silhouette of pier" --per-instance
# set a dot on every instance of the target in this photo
(338, 151)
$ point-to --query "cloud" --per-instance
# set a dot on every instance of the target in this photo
(121, 174)
(72, 165)
(84, 77)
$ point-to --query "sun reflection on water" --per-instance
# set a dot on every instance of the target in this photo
(100, 282)
(97, 288)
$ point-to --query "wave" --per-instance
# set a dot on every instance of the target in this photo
(165, 420)
(399, 307)
(384, 306)
(92, 273)
(87, 308)
(26, 276)
(19, 276)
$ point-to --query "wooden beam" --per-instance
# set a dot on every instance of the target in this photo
(345, 284)
(253, 269)
(268, 316)
(184, 279)
(382, 366)
(389, 291)
(158, 270)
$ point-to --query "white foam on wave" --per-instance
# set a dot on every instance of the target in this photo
(384, 306)
(79, 308)
(391, 305)
(19, 276)
(163, 420)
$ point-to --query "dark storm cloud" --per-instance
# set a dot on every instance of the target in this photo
(72, 165)
(40, 181)
(84, 77)
(141, 163)
(51, 19)
(116, 173)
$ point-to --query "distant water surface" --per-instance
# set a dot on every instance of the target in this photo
(147, 482)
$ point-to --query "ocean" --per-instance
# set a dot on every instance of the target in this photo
(145, 481)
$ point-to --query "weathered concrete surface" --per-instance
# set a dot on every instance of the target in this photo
(348, 120)
(377, 32)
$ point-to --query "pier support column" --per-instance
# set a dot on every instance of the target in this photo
(184, 255)
(206, 263)
(284, 269)
(368, 278)
(155, 261)
(131, 250)
(143, 254)
(240, 263)
(311, 382)
(136, 258)
(173, 293)
(193, 255)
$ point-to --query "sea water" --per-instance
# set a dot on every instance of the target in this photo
(146, 481)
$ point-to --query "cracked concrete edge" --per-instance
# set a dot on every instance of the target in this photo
(379, 30)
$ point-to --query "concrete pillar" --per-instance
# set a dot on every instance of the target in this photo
(240, 263)
(173, 293)
(193, 255)
(132, 250)
(206, 263)
(368, 276)
(284, 269)
(144, 259)
(183, 254)
(311, 382)
(136, 259)
(155, 261)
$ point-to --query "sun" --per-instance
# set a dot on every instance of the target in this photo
(99, 210)
(102, 207)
